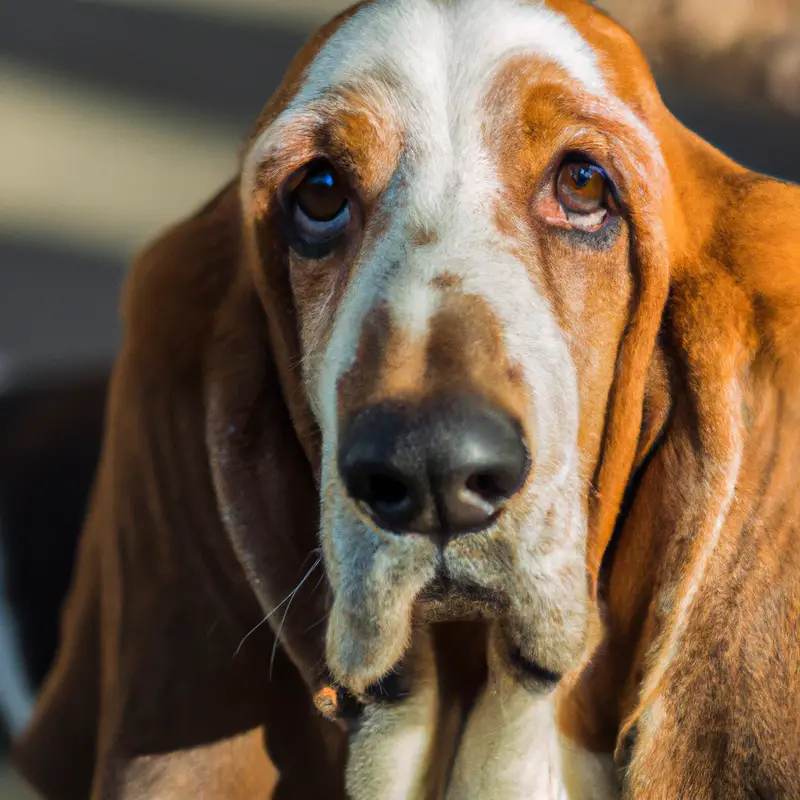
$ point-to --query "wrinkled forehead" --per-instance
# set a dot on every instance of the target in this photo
(426, 70)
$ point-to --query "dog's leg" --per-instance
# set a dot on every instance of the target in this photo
(511, 747)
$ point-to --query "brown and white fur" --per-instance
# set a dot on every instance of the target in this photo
(650, 562)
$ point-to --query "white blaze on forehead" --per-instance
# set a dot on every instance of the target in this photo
(426, 67)
(440, 47)
(442, 56)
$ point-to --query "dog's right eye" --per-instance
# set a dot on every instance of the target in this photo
(320, 205)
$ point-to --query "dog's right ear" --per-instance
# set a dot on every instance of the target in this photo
(204, 503)
(261, 471)
(260, 449)
(256, 431)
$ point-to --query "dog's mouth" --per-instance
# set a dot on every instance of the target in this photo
(409, 583)
(447, 600)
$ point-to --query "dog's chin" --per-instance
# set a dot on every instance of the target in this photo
(362, 649)
(359, 661)
(367, 665)
(447, 600)
(410, 583)
(525, 657)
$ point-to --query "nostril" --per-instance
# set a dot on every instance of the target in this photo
(385, 494)
(486, 486)
(492, 486)
(385, 491)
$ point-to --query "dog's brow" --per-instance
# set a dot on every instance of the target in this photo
(428, 67)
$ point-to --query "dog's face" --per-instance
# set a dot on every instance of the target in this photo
(450, 185)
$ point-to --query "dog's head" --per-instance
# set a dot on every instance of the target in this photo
(456, 213)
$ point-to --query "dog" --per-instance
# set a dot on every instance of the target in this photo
(466, 414)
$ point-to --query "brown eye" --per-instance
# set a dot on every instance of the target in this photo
(321, 195)
(584, 189)
(320, 207)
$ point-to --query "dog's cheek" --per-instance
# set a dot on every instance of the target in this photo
(551, 611)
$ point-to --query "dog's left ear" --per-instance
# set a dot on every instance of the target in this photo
(702, 419)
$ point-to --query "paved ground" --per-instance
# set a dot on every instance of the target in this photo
(119, 116)
(13, 789)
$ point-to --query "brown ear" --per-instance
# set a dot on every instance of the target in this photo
(262, 446)
(705, 543)
(703, 534)
(698, 513)
(263, 479)
(162, 646)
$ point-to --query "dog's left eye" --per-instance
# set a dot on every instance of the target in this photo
(584, 192)
(320, 205)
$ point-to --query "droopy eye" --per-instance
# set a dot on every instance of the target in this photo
(584, 192)
(320, 204)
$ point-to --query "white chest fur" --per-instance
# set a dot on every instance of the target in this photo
(512, 749)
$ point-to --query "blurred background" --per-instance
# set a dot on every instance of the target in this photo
(118, 117)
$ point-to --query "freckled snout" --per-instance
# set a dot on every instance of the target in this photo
(441, 468)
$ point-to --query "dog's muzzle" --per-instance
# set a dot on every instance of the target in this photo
(440, 467)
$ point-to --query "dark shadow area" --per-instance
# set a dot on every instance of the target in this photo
(50, 433)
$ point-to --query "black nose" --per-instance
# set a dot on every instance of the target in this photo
(440, 468)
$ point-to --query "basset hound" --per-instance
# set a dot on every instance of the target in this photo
(467, 414)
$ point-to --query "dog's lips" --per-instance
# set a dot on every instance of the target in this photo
(536, 677)
(372, 617)
(447, 600)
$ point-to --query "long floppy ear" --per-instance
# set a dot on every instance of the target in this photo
(163, 653)
(263, 478)
(717, 509)
(711, 512)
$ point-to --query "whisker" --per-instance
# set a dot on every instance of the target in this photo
(285, 613)
(313, 625)
(319, 582)
(288, 599)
